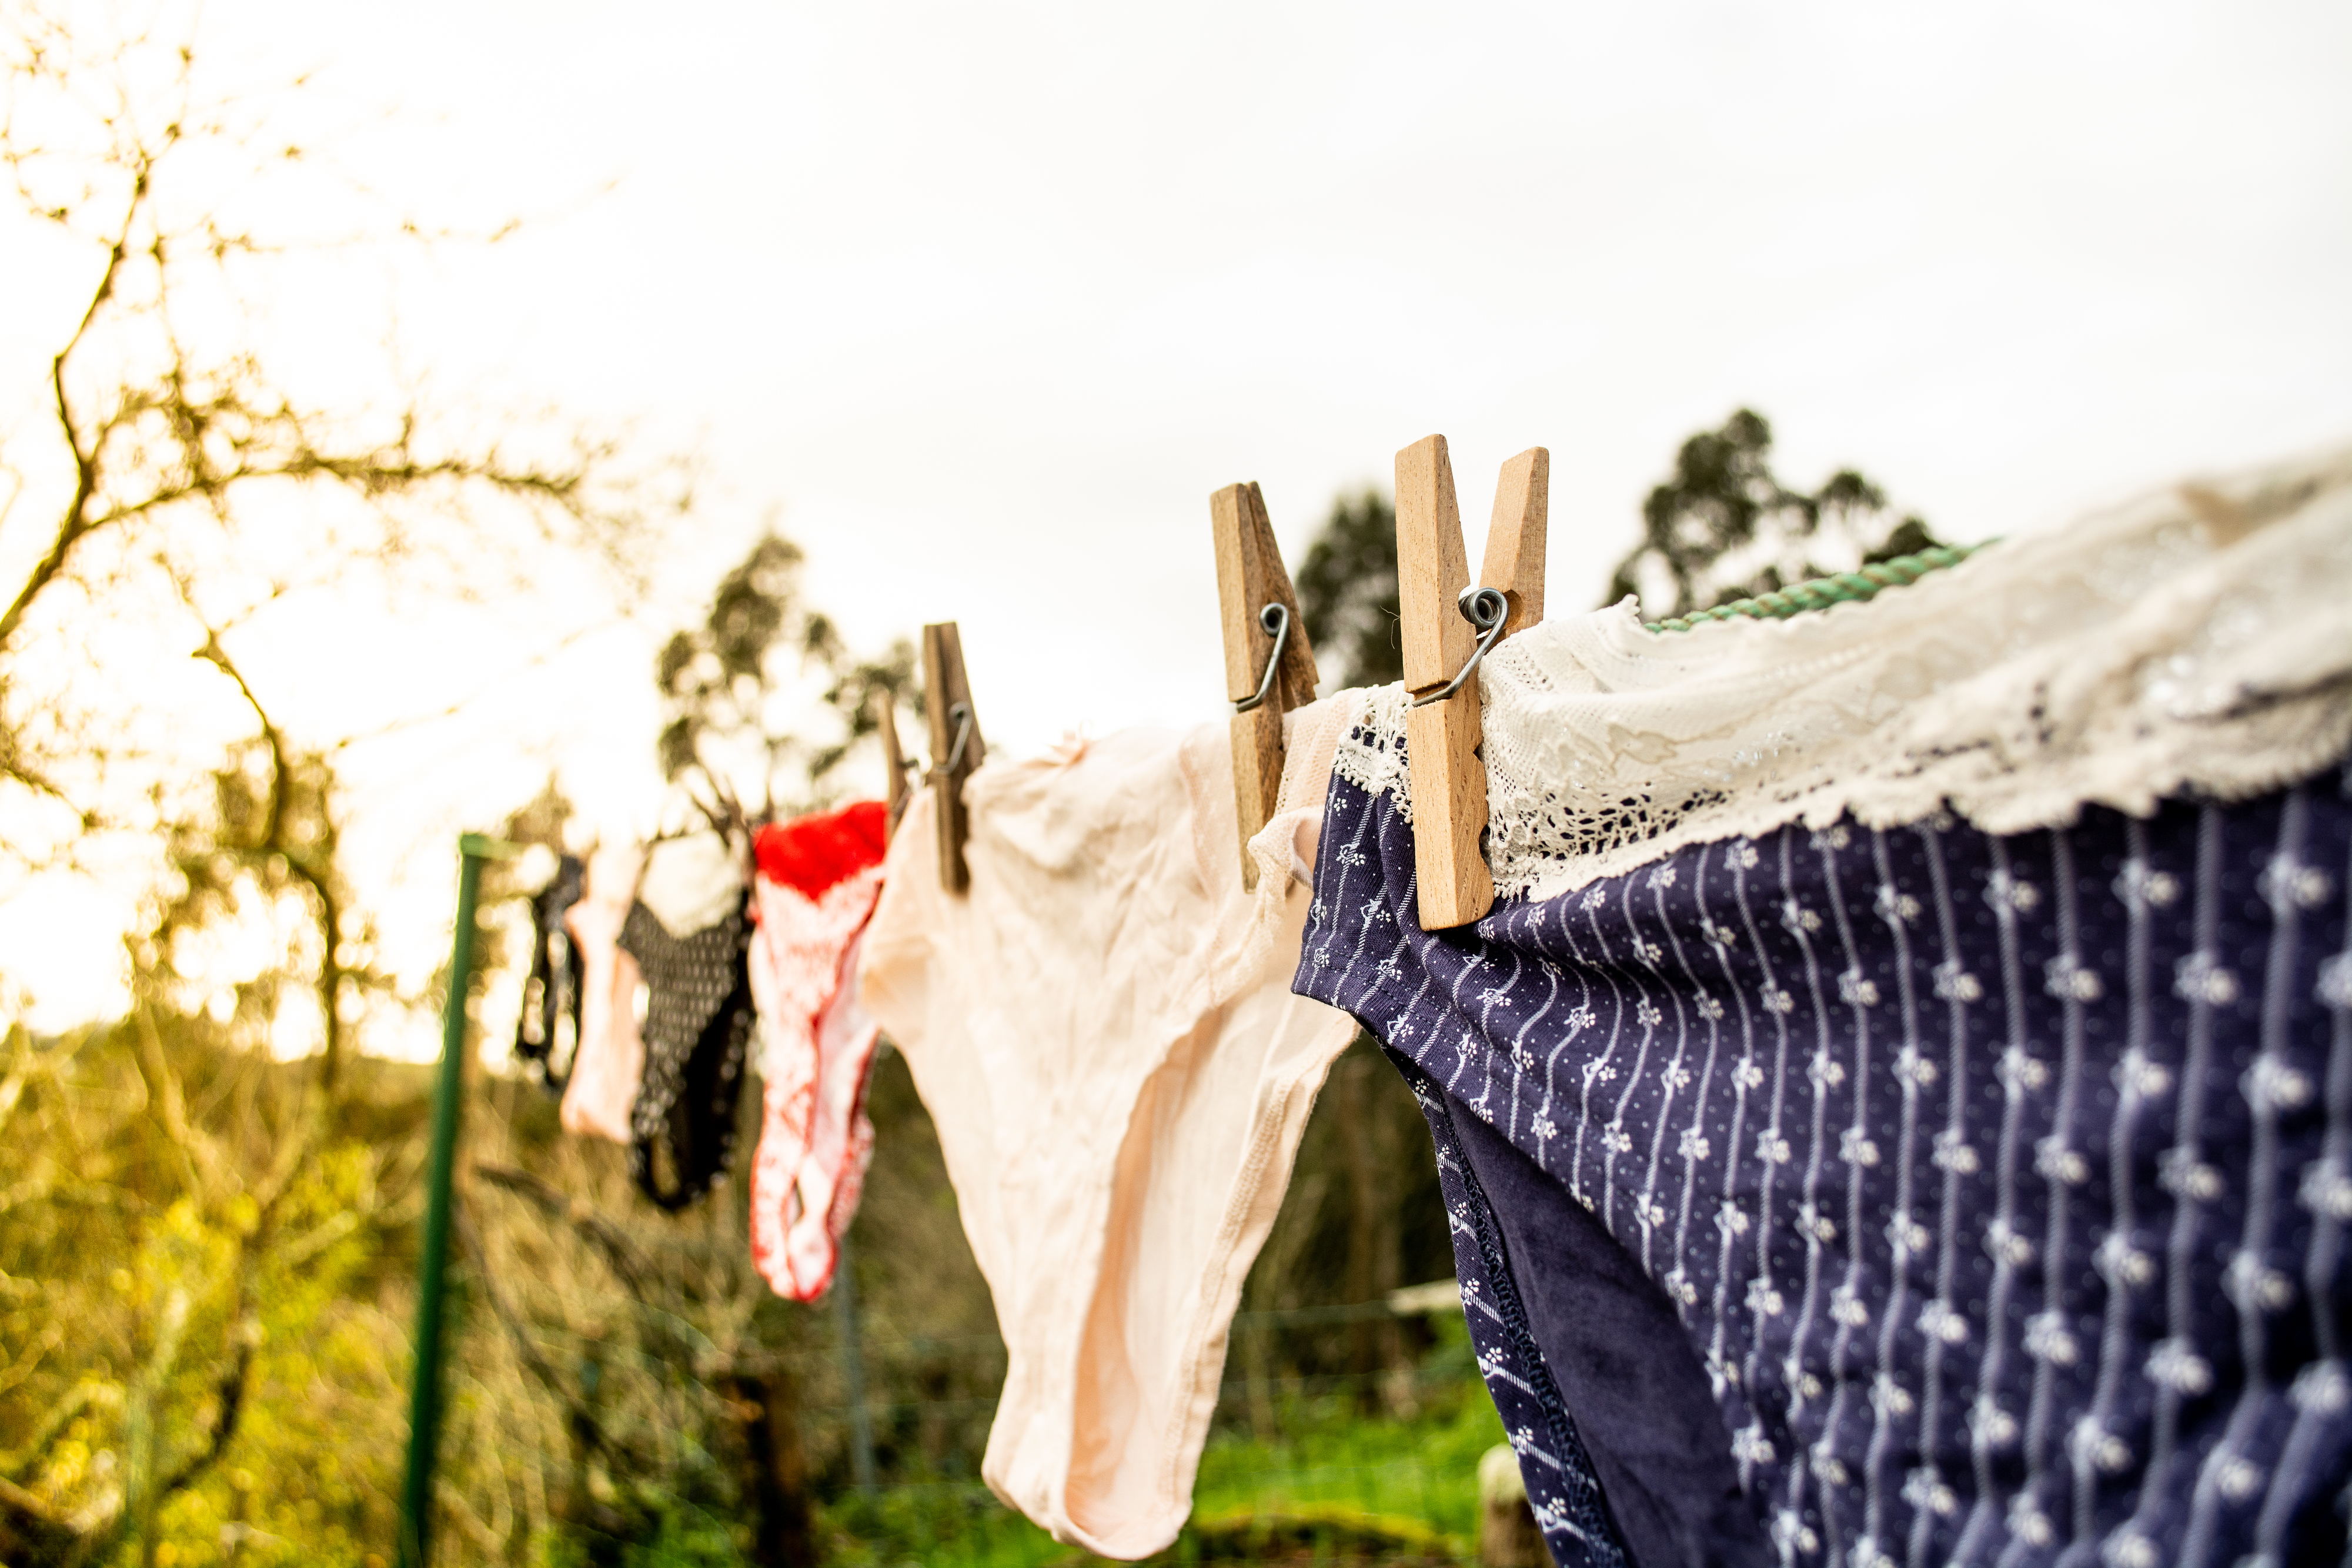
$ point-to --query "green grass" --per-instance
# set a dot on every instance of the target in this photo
(1425, 1471)
(1329, 1485)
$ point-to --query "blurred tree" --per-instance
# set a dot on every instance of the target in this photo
(178, 476)
(741, 689)
(186, 1243)
(1723, 527)
(1348, 592)
(200, 1276)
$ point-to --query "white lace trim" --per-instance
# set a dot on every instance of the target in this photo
(1371, 755)
(2196, 640)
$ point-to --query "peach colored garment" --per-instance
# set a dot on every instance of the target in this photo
(611, 1057)
(1104, 1032)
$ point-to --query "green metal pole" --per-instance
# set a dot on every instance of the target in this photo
(432, 1265)
(853, 1370)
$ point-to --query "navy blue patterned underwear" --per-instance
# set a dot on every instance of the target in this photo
(1999, 1185)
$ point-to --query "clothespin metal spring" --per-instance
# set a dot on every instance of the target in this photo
(1485, 608)
(959, 715)
(1275, 619)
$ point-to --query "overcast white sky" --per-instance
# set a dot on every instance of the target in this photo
(986, 300)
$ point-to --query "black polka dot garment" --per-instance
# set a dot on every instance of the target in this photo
(698, 1030)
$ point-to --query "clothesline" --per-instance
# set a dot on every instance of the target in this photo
(1887, 1044)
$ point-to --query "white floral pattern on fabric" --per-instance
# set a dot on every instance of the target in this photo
(2004, 1201)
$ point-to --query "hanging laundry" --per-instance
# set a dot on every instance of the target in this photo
(1641, 1471)
(610, 1060)
(699, 1016)
(2194, 640)
(1975, 1149)
(1102, 1029)
(693, 882)
(551, 992)
(817, 878)
(1988, 1143)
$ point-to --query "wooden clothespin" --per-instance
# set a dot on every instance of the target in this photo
(957, 750)
(883, 707)
(1269, 666)
(1443, 644)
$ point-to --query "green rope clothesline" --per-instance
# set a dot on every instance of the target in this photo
(1820, 592)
